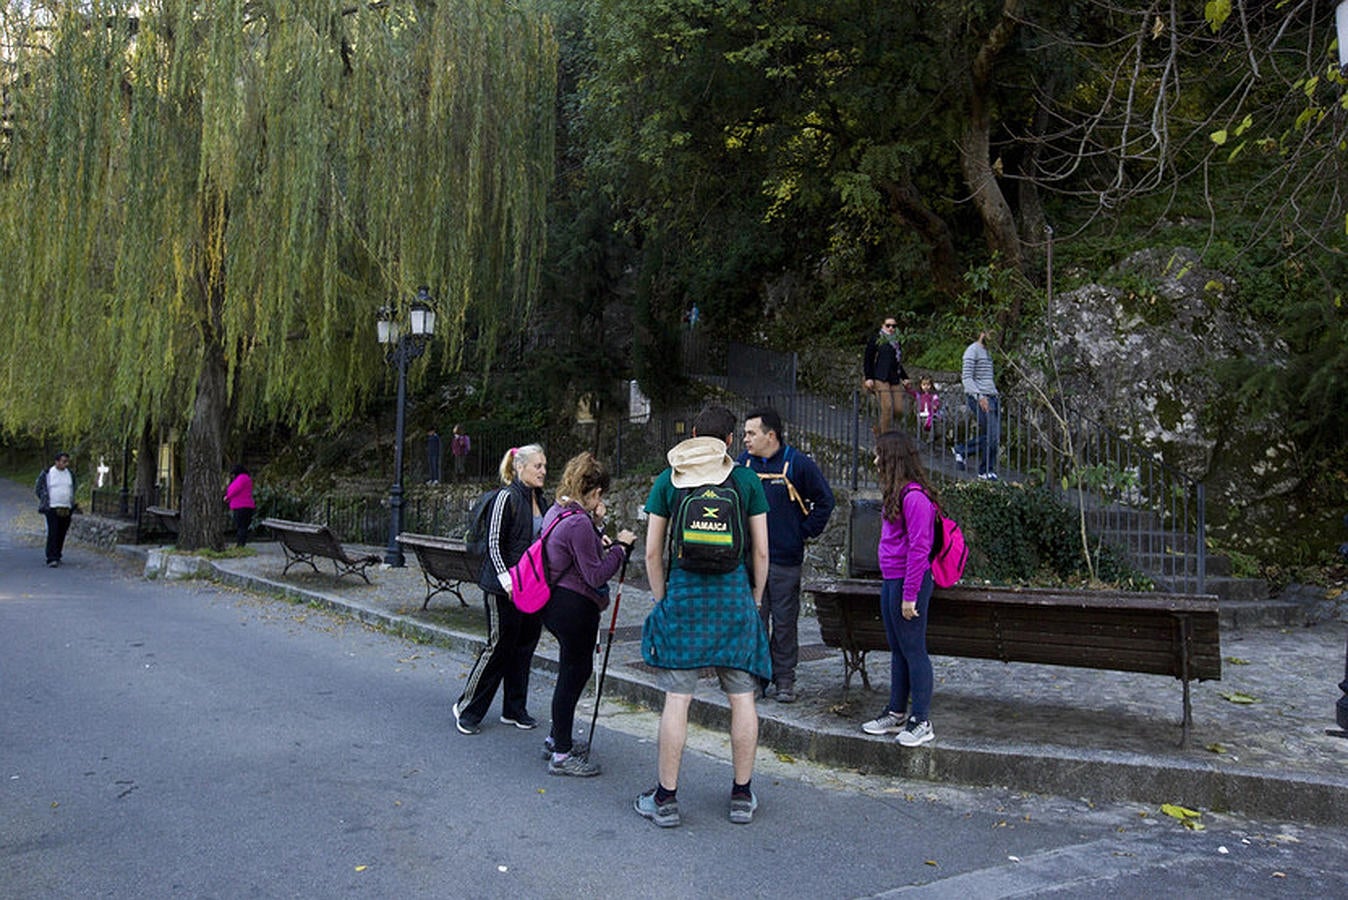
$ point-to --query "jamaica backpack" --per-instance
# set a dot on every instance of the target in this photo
(708, 532)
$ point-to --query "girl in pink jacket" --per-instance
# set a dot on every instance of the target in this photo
(906, 530)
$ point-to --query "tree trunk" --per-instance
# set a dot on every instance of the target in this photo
(907, 205)
(202, 510)
(999, 225)
(202, 507)
(147, 464)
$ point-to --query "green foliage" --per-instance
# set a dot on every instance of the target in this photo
(1023, 535)
(260, 178)
(278, 503)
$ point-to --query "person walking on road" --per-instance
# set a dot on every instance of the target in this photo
(580, 563)
(56, 501)
(907, 527)
(800, 502)
(884, 373)
(703, 617)
(239, 496)
(980, 393)
(516, 519)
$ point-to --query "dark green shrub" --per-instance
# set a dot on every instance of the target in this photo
(1025, 535)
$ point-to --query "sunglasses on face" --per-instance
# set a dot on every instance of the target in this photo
(890, 325)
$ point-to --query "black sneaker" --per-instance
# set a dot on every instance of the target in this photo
(523, 721)
(465, 724)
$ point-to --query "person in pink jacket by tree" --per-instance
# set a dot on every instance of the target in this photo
(907, 526)
(239, 496)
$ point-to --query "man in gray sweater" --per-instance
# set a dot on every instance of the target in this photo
(980, 392)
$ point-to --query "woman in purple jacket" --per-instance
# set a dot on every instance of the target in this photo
(580, 563)
(908, 519)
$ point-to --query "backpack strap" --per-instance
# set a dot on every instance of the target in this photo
(543, 539)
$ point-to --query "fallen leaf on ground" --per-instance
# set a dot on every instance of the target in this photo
(1215, 747)
(785, 757)
(931, 862)
(1187, 817)
(1240, 697)
(1237, 661)
(361, 868)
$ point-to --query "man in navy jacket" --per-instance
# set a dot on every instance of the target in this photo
(799, 504)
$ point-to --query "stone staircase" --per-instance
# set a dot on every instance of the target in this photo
(1171, 560)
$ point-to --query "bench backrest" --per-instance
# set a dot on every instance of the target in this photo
(306, 537)
(1114, 630)
(447, 559)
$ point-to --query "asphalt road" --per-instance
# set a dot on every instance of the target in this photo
(183, 739)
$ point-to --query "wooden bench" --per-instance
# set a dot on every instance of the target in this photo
(302, 542)
(160, 520)
(1122, 631)
(445, 563)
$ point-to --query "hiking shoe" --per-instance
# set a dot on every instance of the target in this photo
(573, 764)
(988, 476)
(959, 459)
(666, 815)
(785, 694)
(742, 808)
(889, 723)
(523, 721)
(915, 734)
(578, 748)
(465, 724)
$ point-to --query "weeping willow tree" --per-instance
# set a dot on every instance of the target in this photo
(202, 204)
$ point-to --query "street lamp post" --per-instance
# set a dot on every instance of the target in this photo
(400, 349)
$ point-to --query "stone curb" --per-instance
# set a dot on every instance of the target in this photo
(1094, 775)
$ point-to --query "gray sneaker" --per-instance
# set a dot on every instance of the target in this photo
(786, 694)
(915, 734)
(742, 808)
(666, 815)
(578, 748)
(572, 764)
(888, 723)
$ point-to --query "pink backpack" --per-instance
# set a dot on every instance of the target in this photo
(529, 586)
(949, 553)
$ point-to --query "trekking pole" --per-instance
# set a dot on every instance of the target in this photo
(608, 648)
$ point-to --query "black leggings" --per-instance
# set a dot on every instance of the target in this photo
(243, 517)
(573, 619)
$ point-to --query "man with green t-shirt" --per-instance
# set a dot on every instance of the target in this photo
(706, 618)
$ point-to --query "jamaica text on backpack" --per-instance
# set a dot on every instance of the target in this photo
(708, 532)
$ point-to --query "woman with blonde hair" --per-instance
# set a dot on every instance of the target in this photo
(581, 560)
(516, 518)
(907, 526)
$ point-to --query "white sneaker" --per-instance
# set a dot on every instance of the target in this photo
(888, 723)
(988, 476)
(915, 734)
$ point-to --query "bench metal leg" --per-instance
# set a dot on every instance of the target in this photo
(854, 661)
(293, 558)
